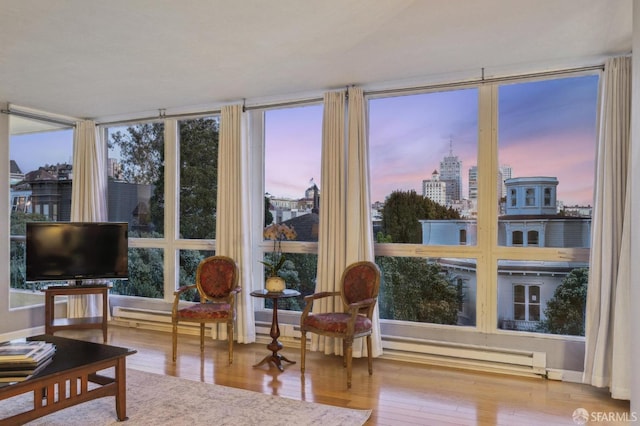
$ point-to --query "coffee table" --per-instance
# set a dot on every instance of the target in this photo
(65, 381)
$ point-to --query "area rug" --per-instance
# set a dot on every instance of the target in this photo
(154, 399)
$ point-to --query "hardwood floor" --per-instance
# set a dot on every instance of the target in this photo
(398, 393)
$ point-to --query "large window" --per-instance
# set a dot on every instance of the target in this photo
(40, 190)
(547, 134)
(136, 195)
(293, 144)
(424, 184)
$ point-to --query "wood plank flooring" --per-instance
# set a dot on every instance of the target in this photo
(398, 393)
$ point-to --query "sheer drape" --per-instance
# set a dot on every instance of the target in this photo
(88, 198)
(232, 213)
(359, 228)
(607, 350)
(332, 229)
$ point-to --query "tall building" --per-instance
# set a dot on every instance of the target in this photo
(434, 189)
(505, 173)
(451, 175)
(473, 182)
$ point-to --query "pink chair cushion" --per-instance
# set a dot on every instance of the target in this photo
(205, 311)
(336, 322)
(359, 283)
(216, 277)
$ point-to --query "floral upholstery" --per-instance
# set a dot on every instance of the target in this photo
(358, 290)
(359, 283)
(217, 285)
(205, 311)
(216, 278)
(337, 322)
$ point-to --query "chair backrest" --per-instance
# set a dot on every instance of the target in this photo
(216, 276)
(360, 281)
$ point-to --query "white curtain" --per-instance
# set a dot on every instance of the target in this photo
(332, 241)
(607, 349)
(233, 214)
(359, 230)
(88, 198)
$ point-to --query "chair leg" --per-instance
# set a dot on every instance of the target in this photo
(174, 338)
(344, 353)
(369, 356)
(201, 337)
(348, 356)
(230, 336)
(303, 349)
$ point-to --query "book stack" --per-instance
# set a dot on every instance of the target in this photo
(20, 360)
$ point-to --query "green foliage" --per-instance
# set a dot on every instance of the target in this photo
(413, 289)
(565, 312)
(198, 177)
(142, 160)
(145, 274)
(17, 273)
(268, 216)
(402, 211)
(299, 272)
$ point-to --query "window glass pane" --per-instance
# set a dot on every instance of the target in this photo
(553, 296)
(198, 177)
(136, 178)
(40, 190)
(146, 274)
(437, 291)
(423, 155)
(547, 136)
(293, 143)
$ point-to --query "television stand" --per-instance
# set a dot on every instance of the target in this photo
(52, 324)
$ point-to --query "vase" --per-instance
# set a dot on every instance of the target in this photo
(274, 284)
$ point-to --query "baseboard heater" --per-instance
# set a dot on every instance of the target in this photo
(458, 355)
(446, 354)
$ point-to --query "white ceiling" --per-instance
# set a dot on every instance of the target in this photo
(100, 59)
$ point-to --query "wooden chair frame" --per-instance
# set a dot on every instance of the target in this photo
(230, 298)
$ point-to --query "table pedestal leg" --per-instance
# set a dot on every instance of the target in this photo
(275, 345)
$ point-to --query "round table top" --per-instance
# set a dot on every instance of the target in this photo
(287, 292)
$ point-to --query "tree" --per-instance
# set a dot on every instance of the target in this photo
(402, 212)
(142, 160)
(268, 216)
(17, 273)
(415, 289)
(565, 311)
(198, 177)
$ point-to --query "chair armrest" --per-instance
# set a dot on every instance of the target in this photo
(308, 300)
(177, 294)
(236, 290)
(182, 289)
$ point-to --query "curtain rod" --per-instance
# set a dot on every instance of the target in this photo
(162, 116)
(38, 117)
(483, 80)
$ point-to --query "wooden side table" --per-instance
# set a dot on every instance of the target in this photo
(51, 324)
(275, 345)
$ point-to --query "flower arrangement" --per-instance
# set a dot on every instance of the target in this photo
(277, 232)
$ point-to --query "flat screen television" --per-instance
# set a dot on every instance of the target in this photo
(59, 251)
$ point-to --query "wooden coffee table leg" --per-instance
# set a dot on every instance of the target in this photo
(121, 391)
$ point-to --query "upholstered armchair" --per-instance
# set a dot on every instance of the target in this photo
(217, 284)
(360, 283)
